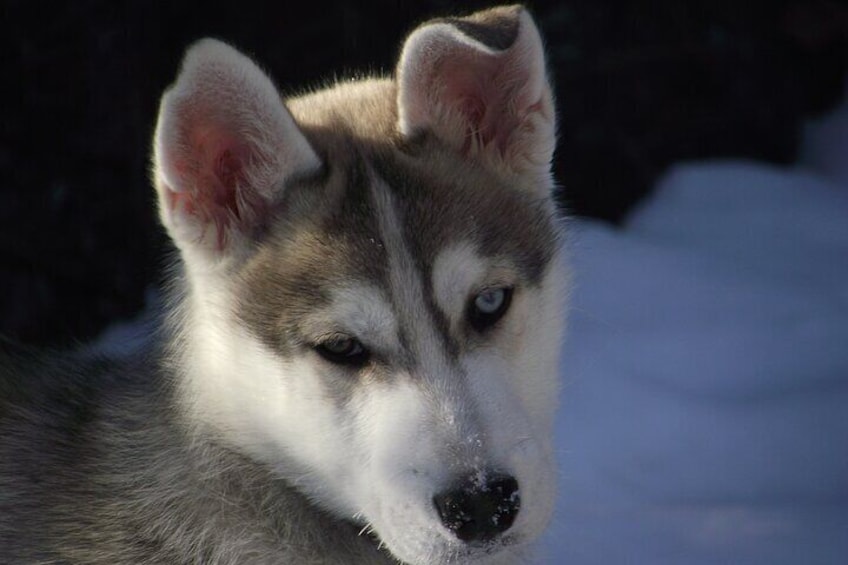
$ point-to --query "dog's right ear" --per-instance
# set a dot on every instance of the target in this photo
(225, 145)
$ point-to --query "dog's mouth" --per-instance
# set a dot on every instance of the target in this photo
(466, 552)
(445, 547)
(473, 551)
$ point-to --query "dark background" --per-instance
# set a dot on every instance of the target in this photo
(639, 86)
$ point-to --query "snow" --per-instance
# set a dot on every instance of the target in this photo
(125, 338)
(704, 412)
(704, 409)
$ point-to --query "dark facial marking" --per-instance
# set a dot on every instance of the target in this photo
(437, 210)
(498, 30)
(456, 201)
(330, 238)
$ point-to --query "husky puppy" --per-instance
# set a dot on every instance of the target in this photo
(359, 360)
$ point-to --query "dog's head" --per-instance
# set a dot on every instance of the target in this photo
(373, 285)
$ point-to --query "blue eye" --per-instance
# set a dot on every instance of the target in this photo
(488, 307)
(490, 301)
(343, 350)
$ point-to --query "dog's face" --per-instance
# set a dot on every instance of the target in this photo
(374, 285)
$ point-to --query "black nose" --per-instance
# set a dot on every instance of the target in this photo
(479, 511)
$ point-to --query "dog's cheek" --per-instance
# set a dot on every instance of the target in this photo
(303, 427)
(532, 344)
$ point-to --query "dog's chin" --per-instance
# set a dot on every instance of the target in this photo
(413, 548)
(417, 541)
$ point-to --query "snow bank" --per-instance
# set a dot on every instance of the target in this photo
(705, 408)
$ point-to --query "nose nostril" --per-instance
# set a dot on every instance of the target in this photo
(506, 501)
(479, 512)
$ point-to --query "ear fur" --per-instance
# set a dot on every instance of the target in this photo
(224, 147)
(479, 84)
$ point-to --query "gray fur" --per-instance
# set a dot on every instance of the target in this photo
(494, 28)
(97, 467)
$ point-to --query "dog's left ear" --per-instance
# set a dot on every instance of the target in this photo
(479, 84)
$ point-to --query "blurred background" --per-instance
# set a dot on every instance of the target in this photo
(639, 85)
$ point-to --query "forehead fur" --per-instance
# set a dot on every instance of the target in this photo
(326, 231)
(442, 194)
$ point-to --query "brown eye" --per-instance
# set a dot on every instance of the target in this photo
(488, 307)
(343, 350)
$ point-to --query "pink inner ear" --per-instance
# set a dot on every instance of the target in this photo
(228, 172)
(489, 94)
(212, 172)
